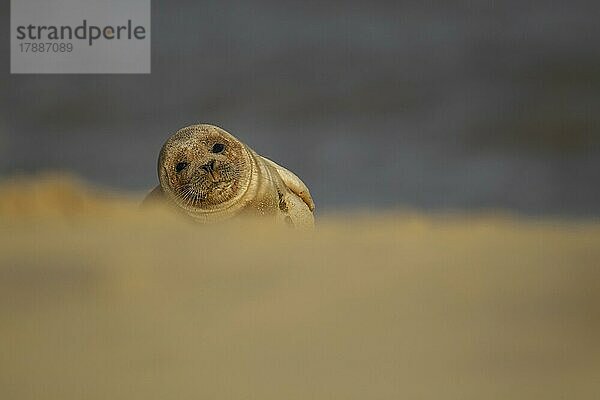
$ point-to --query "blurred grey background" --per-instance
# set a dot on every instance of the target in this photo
(434, 105)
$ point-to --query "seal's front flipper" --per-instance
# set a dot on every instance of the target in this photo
(296, 212)
(293, 183)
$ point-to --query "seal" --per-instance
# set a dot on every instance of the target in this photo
(211, 176)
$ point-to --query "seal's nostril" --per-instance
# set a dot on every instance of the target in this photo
(209, 166)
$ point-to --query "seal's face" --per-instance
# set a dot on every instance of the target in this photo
(202, 167)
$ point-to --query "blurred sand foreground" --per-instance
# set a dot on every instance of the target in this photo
(101, 301)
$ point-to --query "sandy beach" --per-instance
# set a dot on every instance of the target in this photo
(99, 300)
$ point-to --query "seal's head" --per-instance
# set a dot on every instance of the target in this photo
(203, 168)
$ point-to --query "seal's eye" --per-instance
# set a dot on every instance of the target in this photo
(218, 147)
(180, 166)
